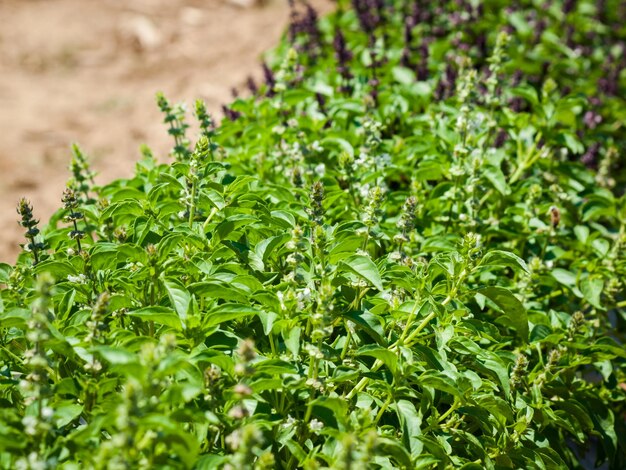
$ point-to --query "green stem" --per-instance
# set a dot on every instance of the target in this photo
(76, 231)
(344, 351)
(394, 347)
(192, 208)
(383, 409)
(453, 408)
(208, 219)
(408, 323)
(272, 345)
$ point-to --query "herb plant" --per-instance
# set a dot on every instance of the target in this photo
(404, 250)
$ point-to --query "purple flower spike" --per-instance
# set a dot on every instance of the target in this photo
(590, 158)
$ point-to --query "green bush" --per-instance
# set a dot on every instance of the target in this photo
(404, 250)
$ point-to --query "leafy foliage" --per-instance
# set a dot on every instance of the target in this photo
(405, 250)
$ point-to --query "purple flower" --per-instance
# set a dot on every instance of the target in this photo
(447, 83)
(270, 80)
(230, 114)
(592, 119)
(252, 86)
(306, 25)
(501, 138)
(569, 6)
(609, 82)
(590, 158)
(343, 56)
(481, 43)
(367, 12)
(422, 68)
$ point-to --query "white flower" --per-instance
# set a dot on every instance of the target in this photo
(234, 439)
(362, 160)
(316, 425)
(316, 146)
(364, 190)
(289, 422)
(383, 160)
(304, 295)
(278, 130)
(80, 279)
(320, 170)
(30, 425)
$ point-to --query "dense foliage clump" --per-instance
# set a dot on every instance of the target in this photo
(404, 250)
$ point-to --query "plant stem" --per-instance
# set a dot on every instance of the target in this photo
(192, 208)
(394, 347)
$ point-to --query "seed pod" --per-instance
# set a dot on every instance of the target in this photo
(555, 216)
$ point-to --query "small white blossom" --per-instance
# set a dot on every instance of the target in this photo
(320, 170)
(364, 190)
(289, 422)
(304, 295)
(316, 425)
(278, 130)
(80, 279)
(234, 439)
(30, 425)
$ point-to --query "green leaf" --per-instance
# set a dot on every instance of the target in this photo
(403, 75)
(179, 298)
(274, 367)
(66, 413)
(267, 320)
(228, 227)
(115, 356)
(211, 462)
(5, 272)
(343, 144)
(411, 423)
(440, 381)
(161, 315)
(364, 268)
(292, 340)
(497, 178)
(512, 308)
(528, 93)
(16, 317)
(217, 358)
(380, 353)
(228, 312)
(369, 322)
(504, 258)
(392, 448)
(59, 270)
(337, 405)
(592, 289)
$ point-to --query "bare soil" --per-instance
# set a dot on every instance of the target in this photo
(87, 71)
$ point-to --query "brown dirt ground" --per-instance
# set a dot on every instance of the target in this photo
(87, 71)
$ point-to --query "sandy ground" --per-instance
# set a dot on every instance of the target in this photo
(87, 71)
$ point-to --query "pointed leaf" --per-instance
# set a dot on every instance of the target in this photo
(179, 298)
(365, 268)
(504, 258)
(161, 315)
(380, 353)
(511, 307)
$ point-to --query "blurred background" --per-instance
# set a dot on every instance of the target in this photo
(87, 71)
